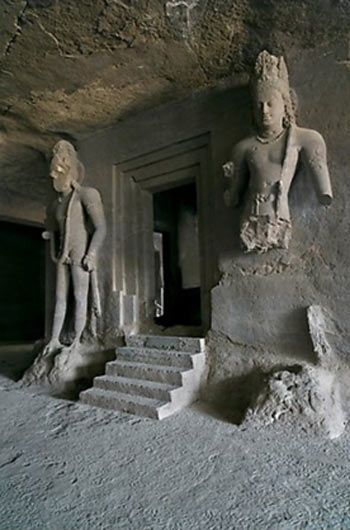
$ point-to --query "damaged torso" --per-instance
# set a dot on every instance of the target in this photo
(263, 171)
(267, 161)
(266, 221)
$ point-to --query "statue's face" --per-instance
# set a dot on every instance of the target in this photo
(60, 174)
(269, 109)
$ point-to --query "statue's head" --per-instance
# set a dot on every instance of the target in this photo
(271, 93)
(66, 170)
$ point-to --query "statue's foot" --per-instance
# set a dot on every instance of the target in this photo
(51, 347)
(75, 344)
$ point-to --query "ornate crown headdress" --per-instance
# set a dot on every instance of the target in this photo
(66, 152)
(271, 71)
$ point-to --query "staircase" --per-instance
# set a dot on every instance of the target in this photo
(152, 376)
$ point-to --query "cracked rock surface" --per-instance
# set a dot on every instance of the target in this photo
(65, 466)
(69, 68)
(312, 397)
(312, 394)
(75, 66)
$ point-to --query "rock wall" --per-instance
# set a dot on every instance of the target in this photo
(24, 183)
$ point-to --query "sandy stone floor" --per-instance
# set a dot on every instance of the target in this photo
(65, 466)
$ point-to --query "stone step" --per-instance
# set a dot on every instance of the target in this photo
(156, 356)
(137, 405)
(140, 387)
(152, 376)
(181, 344)
(151, 372)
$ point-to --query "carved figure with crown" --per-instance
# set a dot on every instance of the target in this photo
(75, 228)
(76, 219)
(265, 163)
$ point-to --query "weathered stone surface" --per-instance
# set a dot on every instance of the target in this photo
(252, 311)
(24, 185)
(112, 58)
(63, 370)
(70, 68)
(265, 164)
(311, 397)
(82, 467)
(312, 394)
(327, 338)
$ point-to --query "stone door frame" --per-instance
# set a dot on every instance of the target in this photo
(134, 182)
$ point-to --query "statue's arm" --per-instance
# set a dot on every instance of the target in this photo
(238, 173)
(94, 208)
(314, 157)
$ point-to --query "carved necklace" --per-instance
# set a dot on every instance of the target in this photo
(272, 139)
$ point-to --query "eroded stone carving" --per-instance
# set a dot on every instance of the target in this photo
(76, 228)
(311, 393)
(266, 162)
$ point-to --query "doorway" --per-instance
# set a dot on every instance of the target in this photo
(177, 266)
(162, 266)
(22, 283)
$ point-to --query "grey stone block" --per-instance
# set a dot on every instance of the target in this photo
(185, 344)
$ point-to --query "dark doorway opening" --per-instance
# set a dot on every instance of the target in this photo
(177, 266)
(22, 283)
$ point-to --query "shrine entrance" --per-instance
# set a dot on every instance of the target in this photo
(177, 267)
(162, 259)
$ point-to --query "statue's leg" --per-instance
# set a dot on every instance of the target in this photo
(81, 289)
(62, 286)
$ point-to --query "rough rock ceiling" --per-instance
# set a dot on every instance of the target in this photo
(75, 65)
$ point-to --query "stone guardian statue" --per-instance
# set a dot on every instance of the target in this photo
(76, 228)
(266, 162)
